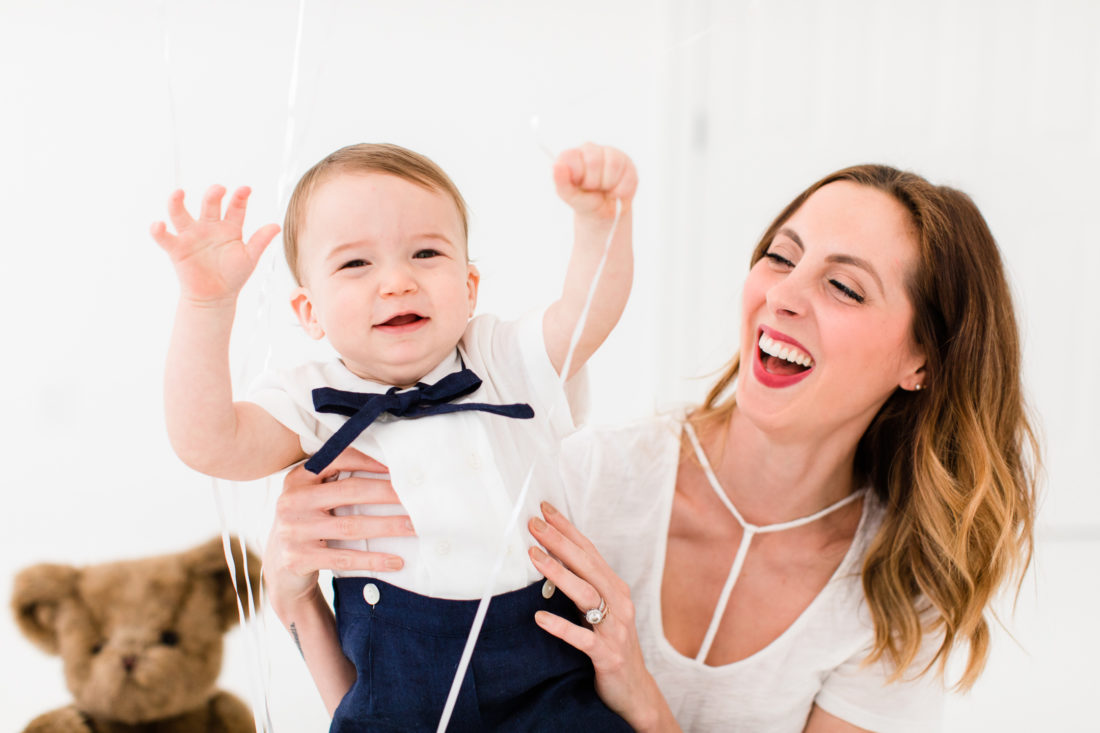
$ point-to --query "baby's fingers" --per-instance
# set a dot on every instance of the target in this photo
(177, 213)
(212, 203)
(568, 173)
(162, 237)
(238, 202)
(259, 241)
(622, 176)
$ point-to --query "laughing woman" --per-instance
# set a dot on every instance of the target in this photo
(804, 550)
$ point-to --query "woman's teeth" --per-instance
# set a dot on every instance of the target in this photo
(771, 347)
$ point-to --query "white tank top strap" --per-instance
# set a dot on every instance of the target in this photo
(749, 531)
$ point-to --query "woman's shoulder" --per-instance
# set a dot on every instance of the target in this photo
(608, 469)
(653, 435)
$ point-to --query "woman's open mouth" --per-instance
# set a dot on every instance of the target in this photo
(780, 363)
(779, 357)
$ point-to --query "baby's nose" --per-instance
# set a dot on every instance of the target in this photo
(398, 280)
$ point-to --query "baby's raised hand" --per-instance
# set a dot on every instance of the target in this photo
(591, 177)
(211, 259)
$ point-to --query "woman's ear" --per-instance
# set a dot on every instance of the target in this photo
(914, 381)
(302, 303)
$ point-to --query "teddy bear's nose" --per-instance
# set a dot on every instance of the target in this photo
(129, 661)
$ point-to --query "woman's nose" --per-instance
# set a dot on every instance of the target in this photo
(789, 296)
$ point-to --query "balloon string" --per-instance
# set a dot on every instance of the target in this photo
(246, 610)
(172, 122)
(251, 622)
(517, 506)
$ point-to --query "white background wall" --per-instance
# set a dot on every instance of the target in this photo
(728, 108)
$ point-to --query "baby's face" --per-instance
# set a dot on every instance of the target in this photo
(384, 275)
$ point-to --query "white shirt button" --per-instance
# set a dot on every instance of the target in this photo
(371, 594)
(475, 461)
(416, 478)
(443, 547)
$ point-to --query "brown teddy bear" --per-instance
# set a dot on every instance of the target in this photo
(141, 641)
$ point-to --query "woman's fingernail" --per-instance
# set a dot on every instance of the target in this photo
(538, 525)
(538, 555)
(394, 563)
(542, 618)
(548, 508)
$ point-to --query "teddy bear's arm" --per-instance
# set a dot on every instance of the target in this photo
(62, 720)
(233, 715)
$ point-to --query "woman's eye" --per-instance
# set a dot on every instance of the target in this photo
(779, 259)
(846, 291)
(424, 254)
(354, 263)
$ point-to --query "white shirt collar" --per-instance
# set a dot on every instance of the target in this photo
(341, 377)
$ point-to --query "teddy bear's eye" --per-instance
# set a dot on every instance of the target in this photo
(97, 648)
(169, 638)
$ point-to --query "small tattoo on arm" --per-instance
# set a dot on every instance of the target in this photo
(297, 643)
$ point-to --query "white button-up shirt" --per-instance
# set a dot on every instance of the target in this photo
(457, 475)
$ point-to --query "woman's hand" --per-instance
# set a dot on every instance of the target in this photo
(622, 680)
(297, 546)
(297, 549)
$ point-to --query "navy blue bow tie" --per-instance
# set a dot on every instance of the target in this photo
(423, 399)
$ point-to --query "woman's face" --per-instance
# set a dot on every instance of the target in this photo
(826, 318)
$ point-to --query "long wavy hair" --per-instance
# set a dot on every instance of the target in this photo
(955, 463)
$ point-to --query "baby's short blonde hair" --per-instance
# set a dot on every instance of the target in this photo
(364, 158)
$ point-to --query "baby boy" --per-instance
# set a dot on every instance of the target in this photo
(461, 410)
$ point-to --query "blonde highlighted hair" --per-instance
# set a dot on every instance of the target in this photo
(955, 463)
(364, 158)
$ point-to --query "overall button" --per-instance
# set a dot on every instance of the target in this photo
(548, 589)
(371, 594)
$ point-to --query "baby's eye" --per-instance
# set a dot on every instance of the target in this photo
(778, 259)
(169, 638)
(354, 263)
(423, 254)
(846, 291)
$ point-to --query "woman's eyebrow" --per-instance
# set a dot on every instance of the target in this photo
(792, 235)
(861, 264)
(840, 258)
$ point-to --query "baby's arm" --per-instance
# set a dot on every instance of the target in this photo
(208, 431)
(590, 179)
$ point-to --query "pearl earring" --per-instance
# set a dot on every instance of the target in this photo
(918, 387)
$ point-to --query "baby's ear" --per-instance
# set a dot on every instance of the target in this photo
(207, 563)
(302, 304)
(39, 591)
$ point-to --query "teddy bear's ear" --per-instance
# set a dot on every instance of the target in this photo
(209, 560)
(38, 592)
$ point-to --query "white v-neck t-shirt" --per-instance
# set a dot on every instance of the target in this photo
(620, 484)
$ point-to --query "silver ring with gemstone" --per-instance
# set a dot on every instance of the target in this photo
(595, 616)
